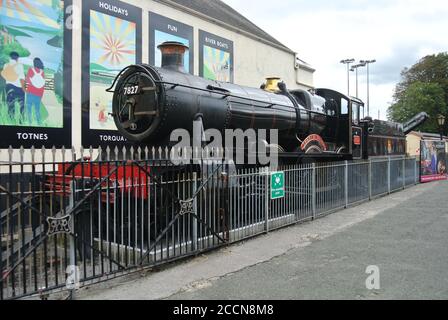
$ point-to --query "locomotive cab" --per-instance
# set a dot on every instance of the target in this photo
(347, 125)
(343, 126)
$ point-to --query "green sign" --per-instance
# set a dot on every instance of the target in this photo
(277, 185)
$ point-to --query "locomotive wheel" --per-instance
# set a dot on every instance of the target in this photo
(342, 150)
(314, 149)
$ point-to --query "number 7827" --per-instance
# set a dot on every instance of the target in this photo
(131, 90)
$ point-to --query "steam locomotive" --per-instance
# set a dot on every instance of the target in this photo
(149, 103)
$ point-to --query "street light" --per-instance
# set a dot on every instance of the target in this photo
(348, 62)
(368, 62)
(355, 68)
(441, 121)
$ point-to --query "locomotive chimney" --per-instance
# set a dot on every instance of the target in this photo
(173, 55)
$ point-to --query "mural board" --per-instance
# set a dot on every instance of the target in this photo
(162, 29)
(111, 41)
(35, 68)
(433, 159)
(215, 57)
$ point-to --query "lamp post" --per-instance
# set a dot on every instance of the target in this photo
(355, 68)
(348, 62)
(441, 121)
(368, 62)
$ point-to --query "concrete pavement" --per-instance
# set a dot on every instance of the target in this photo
(405, 235)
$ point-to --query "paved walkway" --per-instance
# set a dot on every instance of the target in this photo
(405, 235)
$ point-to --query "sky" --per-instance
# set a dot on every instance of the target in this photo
(397, 33)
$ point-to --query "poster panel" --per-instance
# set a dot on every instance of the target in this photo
(433, 161)
(162, 29)
(35, 73)
(111, 41)
(215, 57)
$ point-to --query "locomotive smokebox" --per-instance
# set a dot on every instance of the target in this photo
(173, 55)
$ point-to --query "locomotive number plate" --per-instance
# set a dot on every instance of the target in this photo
(131, 90)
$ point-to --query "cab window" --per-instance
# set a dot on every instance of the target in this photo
(344, 106)
(355, 113)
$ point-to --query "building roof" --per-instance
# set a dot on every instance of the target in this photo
(219, 11)
(425, 135)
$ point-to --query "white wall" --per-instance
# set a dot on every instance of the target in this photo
(305, 77)
(254, 60)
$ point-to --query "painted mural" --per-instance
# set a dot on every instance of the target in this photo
(112, 48)
(162, 29)
(217, 64)
(161, 37)
(216, 57)
(31, 63)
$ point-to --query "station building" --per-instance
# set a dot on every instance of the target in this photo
(83, 45)
(415, 138)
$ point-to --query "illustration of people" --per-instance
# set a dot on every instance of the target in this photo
(35, 81)
(434, 161)
(102, 118)
(14, 76)
(222, 71)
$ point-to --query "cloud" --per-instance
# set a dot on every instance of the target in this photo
(388, 70)
(395, 33)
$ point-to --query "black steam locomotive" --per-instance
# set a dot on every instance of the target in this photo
(149, 103)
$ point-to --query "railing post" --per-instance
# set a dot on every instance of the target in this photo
(314, 190)
(346, 183)
(195, 209)
(72, 243)
(404, 173)
(388, 175)
(267, 200)
(1, 263)
(370, 179)
(416, 172)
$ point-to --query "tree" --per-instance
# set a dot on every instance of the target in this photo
(423, 87)
(418, 97)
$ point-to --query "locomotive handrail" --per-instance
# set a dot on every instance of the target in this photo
(213, 88)
(222, 93)
(173, 85)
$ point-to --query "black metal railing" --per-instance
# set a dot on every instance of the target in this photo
(68, 219)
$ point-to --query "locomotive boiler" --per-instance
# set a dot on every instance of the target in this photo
(150, 102)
